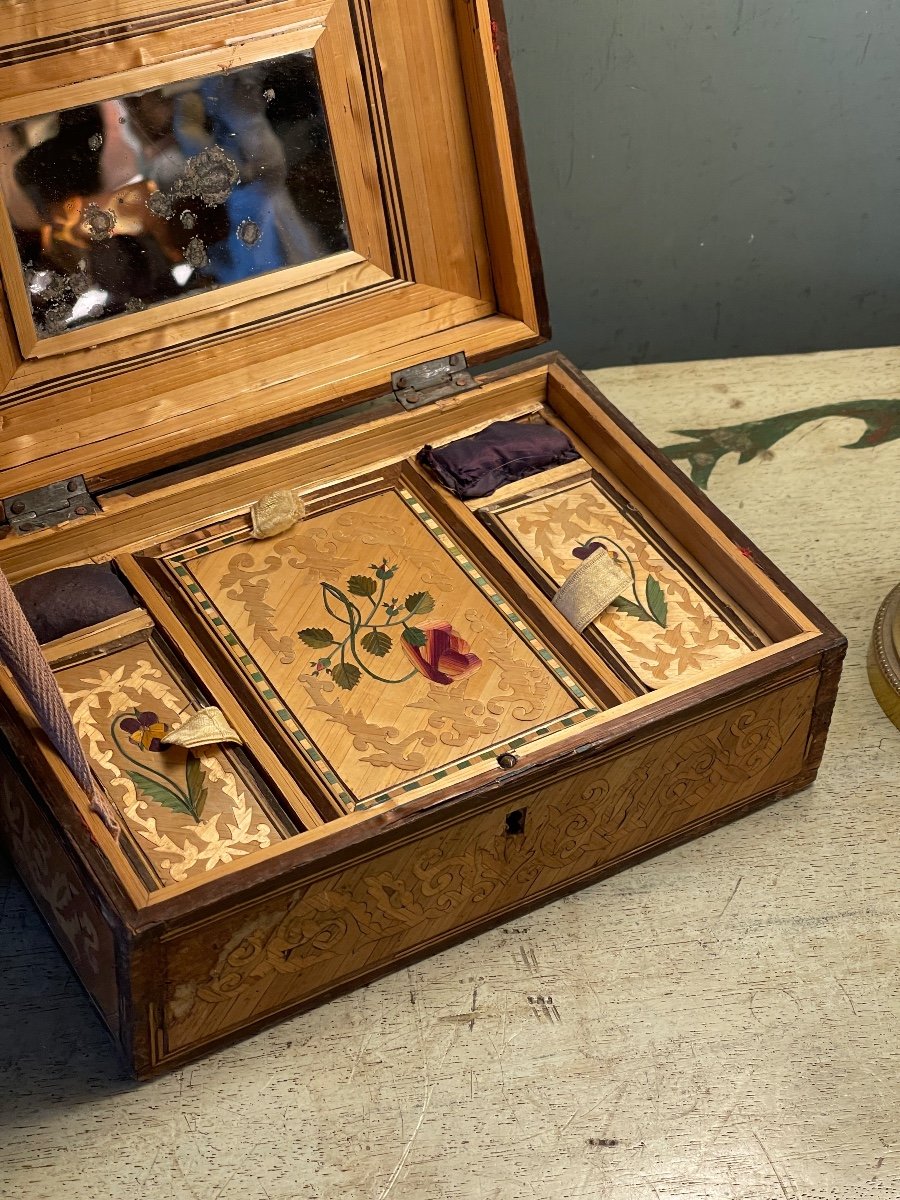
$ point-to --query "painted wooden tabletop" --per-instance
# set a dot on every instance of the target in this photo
(722, 1023)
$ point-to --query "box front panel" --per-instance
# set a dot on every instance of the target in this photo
(255, 963)
(59, 892)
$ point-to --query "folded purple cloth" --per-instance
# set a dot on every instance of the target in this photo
(506, 451)
(72, 598)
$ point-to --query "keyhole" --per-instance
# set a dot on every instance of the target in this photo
(515, 822)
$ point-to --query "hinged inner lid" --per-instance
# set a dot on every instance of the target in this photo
(218, 221)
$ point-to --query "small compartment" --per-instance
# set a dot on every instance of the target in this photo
(184, 812)
(668, 624)
(691, 605)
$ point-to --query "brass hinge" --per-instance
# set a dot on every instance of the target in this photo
(48, 506)
(435, 380)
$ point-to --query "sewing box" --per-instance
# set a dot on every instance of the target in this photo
(252, 251)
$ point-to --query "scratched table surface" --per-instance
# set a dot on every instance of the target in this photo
(720, 1023)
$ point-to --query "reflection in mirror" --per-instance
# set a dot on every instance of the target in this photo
(131, 202)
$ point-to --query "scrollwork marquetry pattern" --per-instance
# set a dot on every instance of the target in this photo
(411, 895)
(50, 878)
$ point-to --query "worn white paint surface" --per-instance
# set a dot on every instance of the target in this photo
(722, 1023)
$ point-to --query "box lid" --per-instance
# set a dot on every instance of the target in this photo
(222, 220)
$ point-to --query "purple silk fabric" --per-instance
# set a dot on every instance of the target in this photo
(505, 452)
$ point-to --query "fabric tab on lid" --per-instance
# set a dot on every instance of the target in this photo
(276, 513)
(590, 590)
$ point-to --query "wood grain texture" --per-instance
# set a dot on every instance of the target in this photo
(518, 273)
(84, 932)
(63, 24)
(717, 1024)
(181, 503)
(398, 90)
(254, 963)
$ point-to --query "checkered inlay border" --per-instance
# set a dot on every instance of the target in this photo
(178, 564)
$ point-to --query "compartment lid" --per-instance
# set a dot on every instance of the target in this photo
(221, 220)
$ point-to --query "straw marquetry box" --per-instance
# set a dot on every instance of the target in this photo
(217, 223)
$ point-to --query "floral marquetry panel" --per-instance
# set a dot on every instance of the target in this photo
(188, 811)
(665, 625)
(378, 647)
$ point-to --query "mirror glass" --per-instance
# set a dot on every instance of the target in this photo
(132, 202)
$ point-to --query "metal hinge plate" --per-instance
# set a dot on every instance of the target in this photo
(46, 507)
(430, 381)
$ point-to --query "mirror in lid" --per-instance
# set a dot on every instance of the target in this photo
(127, 203)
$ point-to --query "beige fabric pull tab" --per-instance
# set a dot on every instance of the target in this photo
(207, 727)
(590, 590)
(276, 513)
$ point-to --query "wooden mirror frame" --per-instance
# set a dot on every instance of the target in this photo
(321, 27)
(422, 116)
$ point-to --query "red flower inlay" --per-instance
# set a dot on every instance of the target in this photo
(445, 658)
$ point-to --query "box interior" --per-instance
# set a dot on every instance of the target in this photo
(494, 678)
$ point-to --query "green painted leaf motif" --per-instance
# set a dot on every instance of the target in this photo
(656, 602)
(629, 607)
(414, 637)
(362, 585)
(159, 793)
(709, 446)
(419, 603)
(377, 643)
(196, 784)
(346, 676)
(317, 638)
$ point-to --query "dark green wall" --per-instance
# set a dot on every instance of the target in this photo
(713, 177)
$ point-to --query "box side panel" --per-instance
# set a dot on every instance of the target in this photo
(297, 945)
(832, 665)
(61, 894)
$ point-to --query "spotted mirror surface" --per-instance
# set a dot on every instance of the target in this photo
(133, 202)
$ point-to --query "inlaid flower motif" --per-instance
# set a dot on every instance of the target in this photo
(653, 606)
(145, 729)
(435, 650)
(444, 657)
(157, 781)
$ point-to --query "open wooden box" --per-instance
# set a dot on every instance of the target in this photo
(410, 774)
